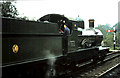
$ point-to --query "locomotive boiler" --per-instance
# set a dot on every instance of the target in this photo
(38, 48)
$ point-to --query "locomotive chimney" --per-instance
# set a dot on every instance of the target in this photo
(91, 23)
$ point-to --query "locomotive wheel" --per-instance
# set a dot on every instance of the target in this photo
(101, 57)
(95, 59)
(98, 58)
(86, 43)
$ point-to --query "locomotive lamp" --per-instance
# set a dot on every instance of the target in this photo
(91, 23)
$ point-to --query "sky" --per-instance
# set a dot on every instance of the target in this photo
(102, 11)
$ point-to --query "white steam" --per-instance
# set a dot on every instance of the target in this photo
(51, 64)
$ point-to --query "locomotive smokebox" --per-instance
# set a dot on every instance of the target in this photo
(91, 23)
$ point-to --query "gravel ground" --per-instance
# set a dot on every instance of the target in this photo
(113, 74)
(98, 70)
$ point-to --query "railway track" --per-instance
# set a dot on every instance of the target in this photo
(99, 70)
(112, 72)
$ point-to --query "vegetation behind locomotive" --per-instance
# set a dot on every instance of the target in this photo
(38, 46)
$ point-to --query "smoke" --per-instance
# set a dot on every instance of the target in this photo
(51, 64)
(51, 57)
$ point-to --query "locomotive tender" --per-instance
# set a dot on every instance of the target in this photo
(38, 49)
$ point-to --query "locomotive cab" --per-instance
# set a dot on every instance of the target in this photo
(79, 37)
(55, 18)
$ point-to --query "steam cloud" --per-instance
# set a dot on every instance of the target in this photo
(51, 62)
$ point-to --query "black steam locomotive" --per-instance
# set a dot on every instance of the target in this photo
(38, 49)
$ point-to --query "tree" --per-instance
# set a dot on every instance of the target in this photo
(103, 29)
(107, 36)
(109, 40)
(9, 10)
(117, 28)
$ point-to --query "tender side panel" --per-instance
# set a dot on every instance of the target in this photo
(28, 41)
(28, 49)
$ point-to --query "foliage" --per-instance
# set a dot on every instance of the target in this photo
(108, 36)
(23, 18)
(109, 40)
(9, 10)
(103, 29)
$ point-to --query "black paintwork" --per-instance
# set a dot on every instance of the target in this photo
(41, 46)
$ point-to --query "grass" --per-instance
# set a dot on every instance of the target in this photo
(116, 48)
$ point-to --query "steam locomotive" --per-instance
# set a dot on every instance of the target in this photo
(38, 49)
